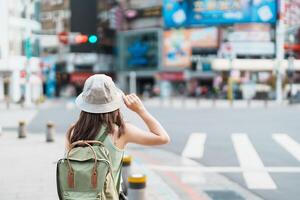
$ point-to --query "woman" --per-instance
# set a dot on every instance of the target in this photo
(101, 119)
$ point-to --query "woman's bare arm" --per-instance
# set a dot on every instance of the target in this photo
(156, 135)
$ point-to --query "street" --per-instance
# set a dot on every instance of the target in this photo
(258, 148)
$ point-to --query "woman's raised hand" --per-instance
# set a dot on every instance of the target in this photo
(134, 103)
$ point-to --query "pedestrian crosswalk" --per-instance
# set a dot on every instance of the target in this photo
(256, 175)
(195, 146)
(288, 144)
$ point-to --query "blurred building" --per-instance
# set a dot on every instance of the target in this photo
(235, 40)
(139, 44)
(18, 36)
(79, 39)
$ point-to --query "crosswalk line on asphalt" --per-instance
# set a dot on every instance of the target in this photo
(288, 143)
(194, 147)
(254, 173)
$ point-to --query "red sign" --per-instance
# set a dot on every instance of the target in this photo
(171, 76)
(79, 77)
(63, 37)
(23, 74)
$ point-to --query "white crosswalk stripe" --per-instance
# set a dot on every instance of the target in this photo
(254, 171)
(194, 147)
(288, 143)
(256, 175)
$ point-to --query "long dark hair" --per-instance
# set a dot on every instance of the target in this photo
(88, 125)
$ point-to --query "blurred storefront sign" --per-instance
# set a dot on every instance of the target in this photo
(249, 36)
(79, 77)
(178, 45)
(177, 49)
(204, 37)
(250, 33)
(144, 12)
(170, 76)
(252, 27)
(139, 4)
(251, 48)
(175, 13)
(49, 72)
(139, 50)
(84, 58)
(292, 13)
(199, 12)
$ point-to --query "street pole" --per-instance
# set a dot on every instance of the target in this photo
(132, 82)
(280, 31)
(28, 55)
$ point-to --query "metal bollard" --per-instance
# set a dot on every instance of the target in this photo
(22, 129)
(126, 171)
(137, 187)
(50, 132)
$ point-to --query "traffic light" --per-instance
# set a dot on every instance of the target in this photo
(77, 38)
(80, 39)
(93, 39)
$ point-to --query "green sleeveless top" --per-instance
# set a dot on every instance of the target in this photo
(116, 155)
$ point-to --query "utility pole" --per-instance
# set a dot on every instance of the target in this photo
(132, 82)
(28, 54)
(280, 35)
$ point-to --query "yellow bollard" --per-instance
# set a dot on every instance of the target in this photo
(126, 171)
(137, 187)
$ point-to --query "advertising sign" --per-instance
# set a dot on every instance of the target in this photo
(175, 13)
(178, 44)
(140, 50)
(200, 12)
(177, 49)
(204, 37)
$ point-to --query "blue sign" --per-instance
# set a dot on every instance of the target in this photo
(202, 12)
(138, 51)
(49, 72)
(175, 13)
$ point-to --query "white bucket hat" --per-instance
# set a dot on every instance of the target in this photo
(99, 95)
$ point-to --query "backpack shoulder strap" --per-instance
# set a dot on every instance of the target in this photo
(102, 134)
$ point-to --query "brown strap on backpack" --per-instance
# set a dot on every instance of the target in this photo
(71, 181)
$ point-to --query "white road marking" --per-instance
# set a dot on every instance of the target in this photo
(254, 171)
(212, 169)
(288, 143)
(194, 147)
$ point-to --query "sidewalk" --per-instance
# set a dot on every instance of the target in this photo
(28, 172)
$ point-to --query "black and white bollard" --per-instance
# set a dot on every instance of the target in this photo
(137, 187)
(50, 132)
(22, 129)
(126, 171)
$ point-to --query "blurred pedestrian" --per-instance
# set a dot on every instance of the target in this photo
(100, 119)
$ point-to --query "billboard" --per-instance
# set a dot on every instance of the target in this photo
(203, 12)
(177, 49)
(204, 37)
(139, 50)
(178, 44)
(175, 13)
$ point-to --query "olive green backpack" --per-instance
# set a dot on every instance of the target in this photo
(86, 173)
